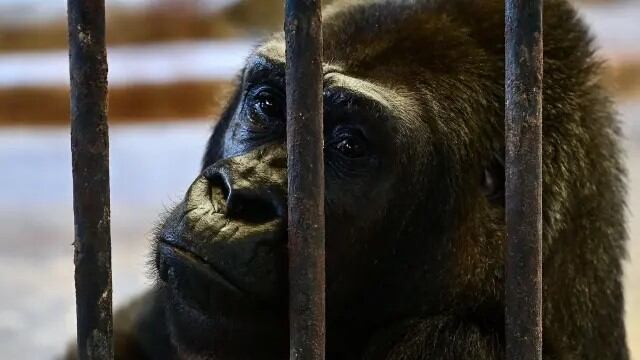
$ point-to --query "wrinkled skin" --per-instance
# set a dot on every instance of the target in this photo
(414, 143)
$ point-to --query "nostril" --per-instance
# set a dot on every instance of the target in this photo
(251, 208)
(250, 201)
(217, 180)
(278, 162)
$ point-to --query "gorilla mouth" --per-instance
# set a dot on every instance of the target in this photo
(209, 259)
(193, 278)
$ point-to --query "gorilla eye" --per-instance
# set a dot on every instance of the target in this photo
(351, 146)
(267, 105)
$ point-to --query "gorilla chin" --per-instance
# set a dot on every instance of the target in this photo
(204, 308)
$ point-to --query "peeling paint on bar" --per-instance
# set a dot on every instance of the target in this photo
(303, 31)
(523, 186)
(90, 161)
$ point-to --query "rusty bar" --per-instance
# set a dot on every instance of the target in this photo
(523, 171)
(303, 32)
(90, 159)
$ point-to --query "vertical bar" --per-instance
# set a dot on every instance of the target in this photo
(523, 130)
(90, 158)
(303, 31)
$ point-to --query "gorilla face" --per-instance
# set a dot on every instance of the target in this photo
(222, 252)
(397, 143)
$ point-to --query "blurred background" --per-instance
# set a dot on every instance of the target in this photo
(171, 62)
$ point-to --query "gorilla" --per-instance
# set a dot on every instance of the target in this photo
(415, 230)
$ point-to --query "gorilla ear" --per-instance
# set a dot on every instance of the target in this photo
(493, 178)
(215, 144)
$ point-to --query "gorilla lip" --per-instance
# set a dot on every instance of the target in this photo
(199, 285)
(172, 258)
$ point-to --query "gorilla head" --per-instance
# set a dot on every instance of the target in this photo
(414, 139)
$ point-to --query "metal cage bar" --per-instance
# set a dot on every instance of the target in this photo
(90, 157)
(523, 171)
(303, 32)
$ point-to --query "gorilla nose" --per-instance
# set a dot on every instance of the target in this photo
(247, 195)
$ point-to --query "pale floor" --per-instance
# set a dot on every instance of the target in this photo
(151, 166)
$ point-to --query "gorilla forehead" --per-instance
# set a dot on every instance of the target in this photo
(390, 37)
(408, 54)
(396, 102)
